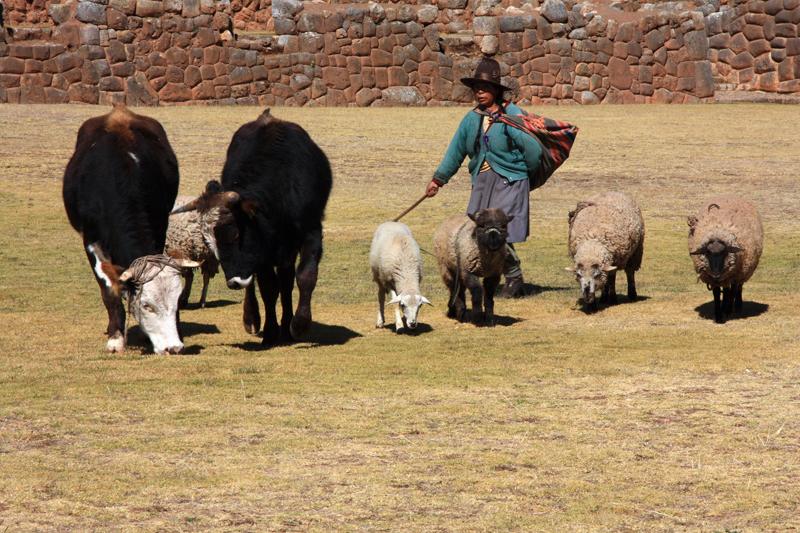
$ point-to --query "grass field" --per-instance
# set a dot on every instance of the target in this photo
(643, 416)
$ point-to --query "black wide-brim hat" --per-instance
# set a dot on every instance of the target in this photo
(487, 71)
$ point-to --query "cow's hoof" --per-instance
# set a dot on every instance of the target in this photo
(115, 345)
(299, 326)
(251, 328)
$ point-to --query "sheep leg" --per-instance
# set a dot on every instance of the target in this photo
(268, 285)
(381, 305)
(630, 274)
(489, 286)
(473, 283)
(188, 278)
(609, 296)
(398, 316)
(737, 302)
(718, 318)
(206, 279)
(250, 314)
(727, 300)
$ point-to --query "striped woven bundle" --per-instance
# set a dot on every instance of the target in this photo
(556, 138)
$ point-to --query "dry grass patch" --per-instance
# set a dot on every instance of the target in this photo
(643, 416)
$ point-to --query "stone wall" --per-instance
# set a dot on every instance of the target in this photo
(148, 52)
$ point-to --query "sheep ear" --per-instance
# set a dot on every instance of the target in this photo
(611, 268)
(473, 217)
(509, 218)
(699, 251)
(395, 300)
(733, 249)
(425, 300)
(569, 269)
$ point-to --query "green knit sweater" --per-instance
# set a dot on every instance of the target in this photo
(512, 164)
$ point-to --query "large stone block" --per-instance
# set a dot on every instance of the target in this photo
(402, 96)
(286, 8)
(696, 44)
(336, 77)
(485, 26)
(149, 8)
(91, 13)
(742, 60)
(174, 92)
(619, 73)
(554, 11)
(380, 58)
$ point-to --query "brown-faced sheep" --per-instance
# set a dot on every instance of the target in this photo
(606, 234)
(467, 249)
(725, 243)
(187, 239)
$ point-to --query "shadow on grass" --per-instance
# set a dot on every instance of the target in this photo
(749, 309)
(210, 304)
(531, 289)
(318, 335)
(621, 300)
(419, 330)
(189, 329)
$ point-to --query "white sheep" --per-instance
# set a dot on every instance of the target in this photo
(606, 234)
(187, 240)
(468, 249)
(725, 243)
(397, 270)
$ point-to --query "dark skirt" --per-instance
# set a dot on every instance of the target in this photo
(493, 190)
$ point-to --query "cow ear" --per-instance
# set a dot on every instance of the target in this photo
(610, 268)
(250, 207)
(570, 269)
(473, 217)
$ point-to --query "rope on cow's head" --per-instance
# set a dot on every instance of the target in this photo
(138, 270)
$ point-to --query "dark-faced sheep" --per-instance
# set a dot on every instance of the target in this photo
(606, 234)
(725, 243)
(468, 249)
(397, 270)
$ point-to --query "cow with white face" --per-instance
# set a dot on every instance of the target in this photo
(119, 187)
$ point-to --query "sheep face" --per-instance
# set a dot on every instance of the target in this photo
(409, 307)
(592, 266)
(717, 258)
(491, 228)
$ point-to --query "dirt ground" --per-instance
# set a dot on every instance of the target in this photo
(643, 416)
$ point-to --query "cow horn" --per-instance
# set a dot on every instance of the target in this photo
(230, 198)
(189, 206)
(712, 205)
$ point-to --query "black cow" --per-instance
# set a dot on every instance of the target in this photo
(119, 187)
(275, 185)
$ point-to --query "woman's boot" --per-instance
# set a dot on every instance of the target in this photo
(515, 287)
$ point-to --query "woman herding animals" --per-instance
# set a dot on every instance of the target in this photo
(499, 160)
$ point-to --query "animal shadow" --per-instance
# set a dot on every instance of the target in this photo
(419, 330)
(327, 335)
(210, 304)
(318, 335)
(188, 329)
(531, 289)
(749, 309)
(621, 300)
(504, 321)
